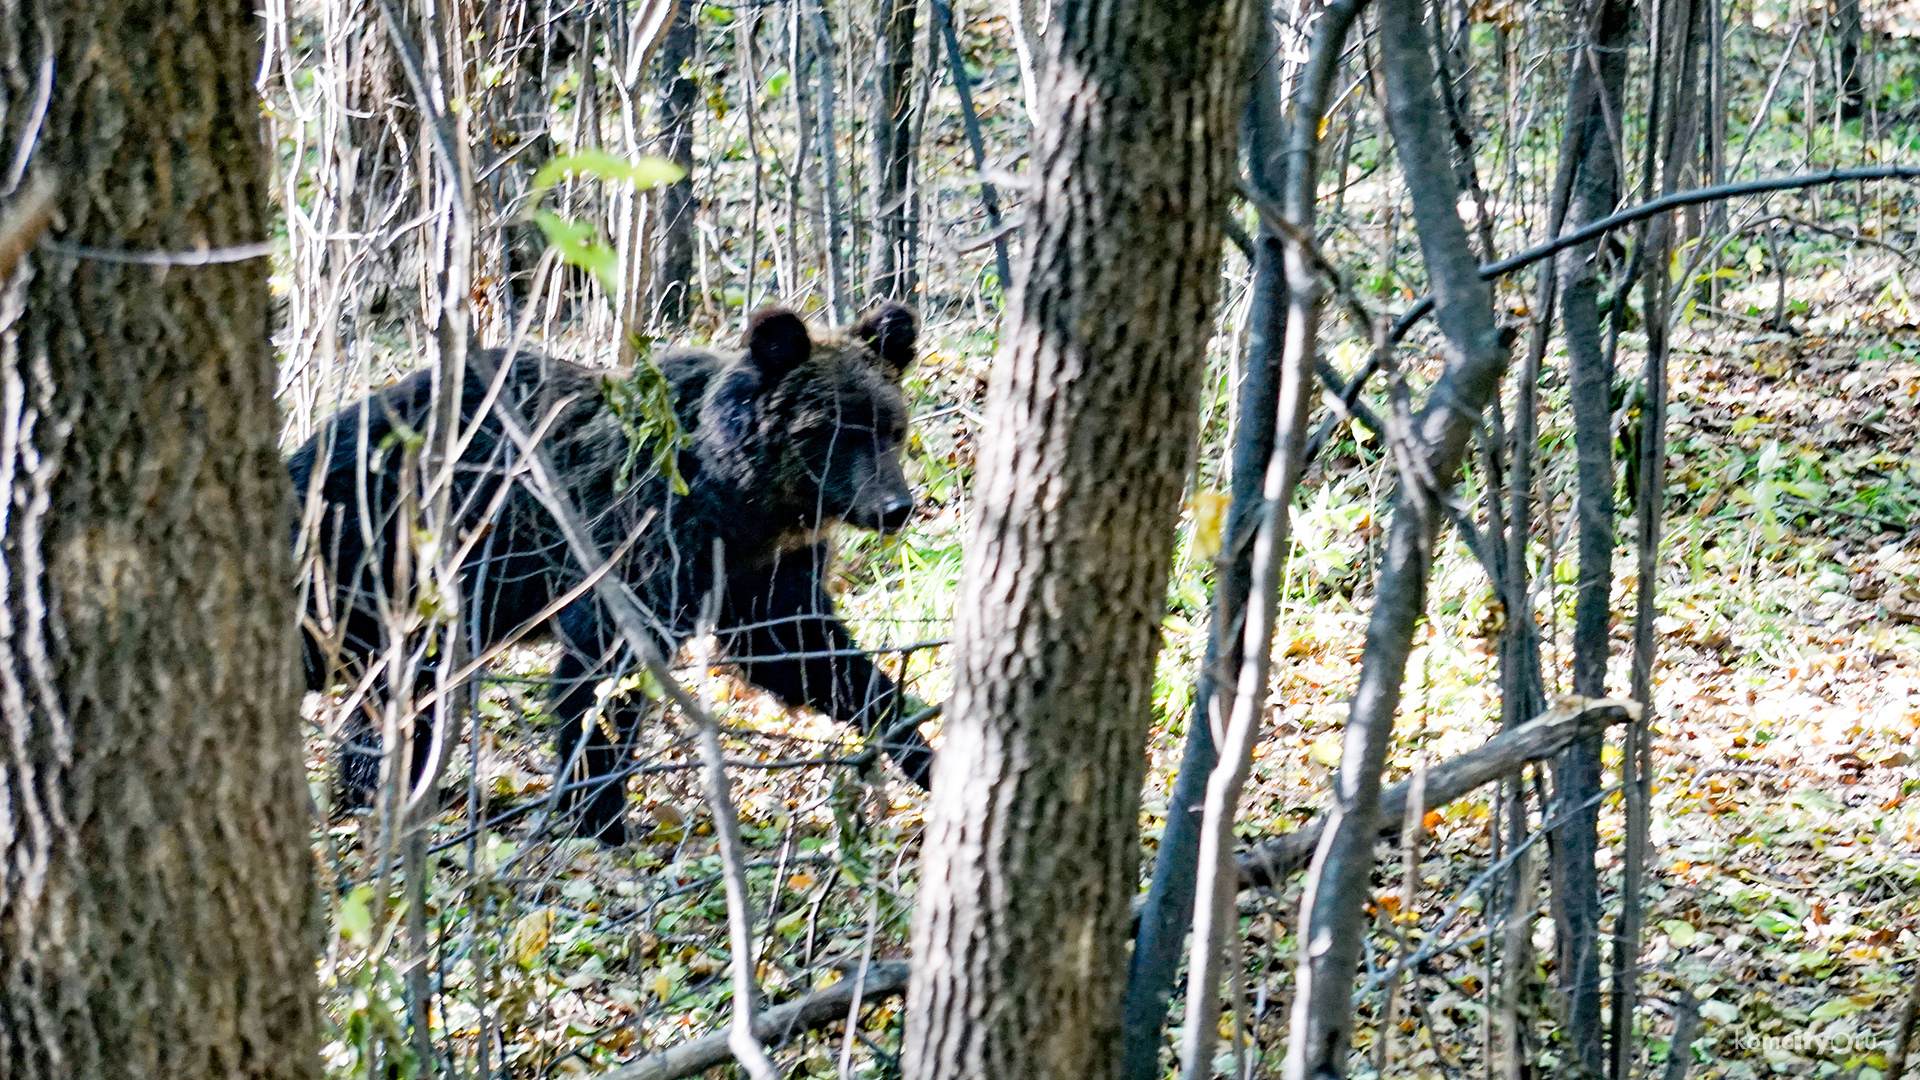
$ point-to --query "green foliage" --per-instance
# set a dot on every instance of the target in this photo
(641, 174)
(642, 400)
(578, 242)
(367, 1015)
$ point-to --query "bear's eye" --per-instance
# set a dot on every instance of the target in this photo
(842, 434)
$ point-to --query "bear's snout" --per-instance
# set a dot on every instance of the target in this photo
(895, 515)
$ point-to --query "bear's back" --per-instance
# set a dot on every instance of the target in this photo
(689, 372)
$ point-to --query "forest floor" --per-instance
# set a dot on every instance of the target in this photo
(1784, 892)
(1786, 836)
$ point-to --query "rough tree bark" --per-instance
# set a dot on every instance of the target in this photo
(1032, 839)
(673, 280)
(156, 897)
(890, 265)
(1168, 913)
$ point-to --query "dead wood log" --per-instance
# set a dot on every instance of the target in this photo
(885, 979)
(1569, 718)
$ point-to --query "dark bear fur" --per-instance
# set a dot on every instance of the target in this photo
(784, 439)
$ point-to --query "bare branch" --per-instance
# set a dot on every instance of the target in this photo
(1238, 710)
(1570, 718)
(1655, 207)
(962, 85)
(629, 617)
(1333, 912)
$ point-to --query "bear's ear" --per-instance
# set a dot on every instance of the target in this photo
(890, 331)
(777, 342)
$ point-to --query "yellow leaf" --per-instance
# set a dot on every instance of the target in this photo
(1209, 514)
(530, 936)
(670, 824)
(1326, 749)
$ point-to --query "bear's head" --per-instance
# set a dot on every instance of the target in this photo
(812, 429)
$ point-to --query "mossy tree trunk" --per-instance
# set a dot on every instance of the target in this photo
(1032, 841)
(156, 899)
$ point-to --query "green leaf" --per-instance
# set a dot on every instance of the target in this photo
(1680, 932)
(1744, 424)
(641, 173)
(1677, 265)
(1815, 799)
(1834, 1009)
(1720, 1012)
(643, 403)
(356, 918)
(1805, 489)
(640, 680)
(1773, 922)
(578, 246)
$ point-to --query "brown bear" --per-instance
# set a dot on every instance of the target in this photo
(779, 442)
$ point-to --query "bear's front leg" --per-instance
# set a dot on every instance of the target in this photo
(780, 628)
(592, 785)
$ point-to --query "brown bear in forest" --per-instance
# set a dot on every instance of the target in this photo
(781, 441)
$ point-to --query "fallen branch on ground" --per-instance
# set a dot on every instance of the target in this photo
(1570, 718)
(885, 979)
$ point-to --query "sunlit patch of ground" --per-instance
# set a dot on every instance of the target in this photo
(1785, 876)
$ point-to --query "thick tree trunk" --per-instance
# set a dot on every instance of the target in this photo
(890, 264)
(1595, 83)
(673, 280)
(1032, 838)
(1168, 915)
(155, 883)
